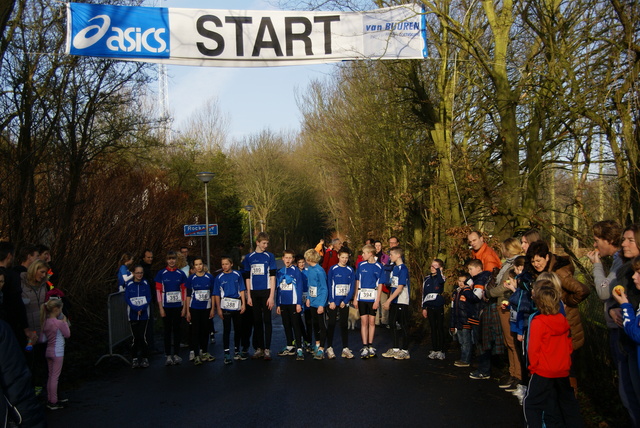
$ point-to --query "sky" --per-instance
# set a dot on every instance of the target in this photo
(254, 99)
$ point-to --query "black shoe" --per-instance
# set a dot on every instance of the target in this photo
(505, 381)
(55, 406)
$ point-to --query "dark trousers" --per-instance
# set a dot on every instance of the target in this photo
(306, 325)
(247, 328)
(522, 358)
(399, 313)
(551, 393)
(344, 325)
(139, 344)
(436, 322)
(262, 327)
(319, 326)
(171, 323)
(227, 317)
(291, 321)
(200, 329)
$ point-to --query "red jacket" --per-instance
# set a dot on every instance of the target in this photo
(330, 259)
(549, 346)
(488, 257)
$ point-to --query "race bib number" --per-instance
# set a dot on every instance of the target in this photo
(138, 301)
(229, 304)
(173, 296)
(342, 289)
(257, 269)
(201, 295)
(367, 294)
(313, 291)
(394, 281)
(286, 287)
(513, 315)
(431, 296)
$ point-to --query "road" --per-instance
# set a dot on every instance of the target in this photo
(286, 392)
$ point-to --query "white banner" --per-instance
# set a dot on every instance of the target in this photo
(234, 38)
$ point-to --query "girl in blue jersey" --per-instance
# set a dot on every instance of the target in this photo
(398, 306)
(229, 290)
(367, 298)
(170, 291)
(341, 283)
(124, 274)
(200, 310)
(289, 304)
(137, 294)
(316, 299)
(433, 307)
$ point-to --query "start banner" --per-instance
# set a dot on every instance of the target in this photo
(237, 38)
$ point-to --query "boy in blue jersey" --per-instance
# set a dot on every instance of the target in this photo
(316, 299)
(170, 291)
(342, 281)
(228, 290)
(289, 284)
(367, 298)
(398, 306)
(200, 308)
(138, 297)
(260, 276)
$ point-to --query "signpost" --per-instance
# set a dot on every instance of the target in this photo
(200, 230)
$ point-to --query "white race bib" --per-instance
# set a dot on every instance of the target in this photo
(230, 304)
(313, 291)
(173, 296)
(394, 281)
(286, 287)
(342, 289)
(257, 269)
(201, 295)
(138, 301)
(367, 294)
(431, 296)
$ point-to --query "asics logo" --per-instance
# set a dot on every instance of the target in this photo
(121, 40)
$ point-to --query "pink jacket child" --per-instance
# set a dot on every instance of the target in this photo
(56, 331)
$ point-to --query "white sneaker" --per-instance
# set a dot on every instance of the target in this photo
(364, 352)
(389, 354)
(346, 353)
(402, 354)
(440, 355)
(433, 355)
(330, 354)
(169, 361)
(192, 355)
(177, 359)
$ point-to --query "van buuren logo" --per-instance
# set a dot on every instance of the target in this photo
(120, 30)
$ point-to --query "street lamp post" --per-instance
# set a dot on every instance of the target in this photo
(249, 208)
(206, 177)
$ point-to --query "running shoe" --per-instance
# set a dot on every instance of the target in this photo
(55, 406)
(514, 385)
(478, 375)
(237, 356)
(440, 355)
(299, 355)
(169, 361)
(390, 353)
(197, 361)
(330, 354)
(135, 364)
(372, 352)
(258, 354)
(432, 355)
(402, 354)
(505, 382)
(364, 353)
(308, 348)
(144, 364)
(244, 355)
(286, 351)
(267, 355)
(319, 355)
(228, 359)
(192, 355)
(461, 363)
(346, 353)
(176, 359)
(207, 357)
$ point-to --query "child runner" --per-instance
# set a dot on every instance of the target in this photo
(289, 300)
(463, 306)
(305, 326)
(137, 294)
(367, 298)
(229, 292)
(170, 291)
(398, 306)
(433, 307)
(200, 310)
(317, 299)
(260, 273)
(56, 331)
(342, 281)
(549, 350)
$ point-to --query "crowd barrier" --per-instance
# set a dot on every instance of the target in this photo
(119, 328)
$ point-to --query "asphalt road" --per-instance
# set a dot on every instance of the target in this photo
(286, 392)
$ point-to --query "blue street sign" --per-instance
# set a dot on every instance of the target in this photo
(200, 230)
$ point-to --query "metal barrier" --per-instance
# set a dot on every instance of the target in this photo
(119, 328)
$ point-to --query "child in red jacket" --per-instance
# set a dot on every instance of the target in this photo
(549, 350)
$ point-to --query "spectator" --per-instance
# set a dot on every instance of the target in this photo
(331, 255)
(16, 315)
(481, 251)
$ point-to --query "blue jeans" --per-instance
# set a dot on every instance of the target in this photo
(464, 338)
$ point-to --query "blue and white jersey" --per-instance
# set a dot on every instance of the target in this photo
(368, 275)
(124, 275)
(289, 286)
(229, 286)
(258, 267)
(400, 276)
(342, 283)
(137, 295)
(200, 289)
(317, 283)
(170, 287)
